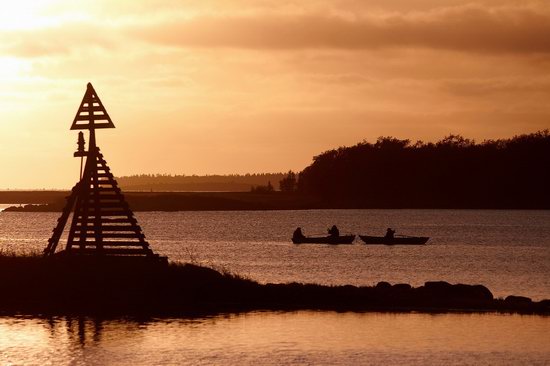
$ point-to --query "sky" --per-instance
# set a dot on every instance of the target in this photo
(249, 86)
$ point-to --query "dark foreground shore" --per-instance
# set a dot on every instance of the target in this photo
(114, 286)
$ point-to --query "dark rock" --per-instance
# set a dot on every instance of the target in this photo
(518, 302)
(383, 285)
(443, 294)
(543, 305)
(478, 292)
(401, 287)
(437, 285)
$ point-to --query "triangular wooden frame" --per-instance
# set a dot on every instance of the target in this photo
(91, 114)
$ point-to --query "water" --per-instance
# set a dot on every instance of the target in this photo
(270, 338)
(508, 251)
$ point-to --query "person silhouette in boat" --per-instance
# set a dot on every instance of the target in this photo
(333, 231)
(298, 234)
(390, 234)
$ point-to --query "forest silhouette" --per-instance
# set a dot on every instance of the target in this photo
(452, 173)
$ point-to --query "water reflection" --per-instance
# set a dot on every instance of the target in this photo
(304, 337)
(81, 331)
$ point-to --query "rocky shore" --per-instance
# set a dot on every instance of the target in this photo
(130, 286)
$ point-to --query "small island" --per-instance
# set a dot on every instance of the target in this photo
(120, 286)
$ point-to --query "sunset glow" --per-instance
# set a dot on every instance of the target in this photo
(261, 86)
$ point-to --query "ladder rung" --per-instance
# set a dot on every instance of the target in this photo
(110, 204)
(131, 220)
(94, 108)
(122, 235)
(110, 189)
(110, 243)
(91, 213)
(93, 228)
(115, 251)
(95, 117)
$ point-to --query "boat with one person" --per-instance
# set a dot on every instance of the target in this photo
(394, 240)
(391, 239)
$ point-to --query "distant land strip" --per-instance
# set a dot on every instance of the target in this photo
(198, 183)
(54, 201)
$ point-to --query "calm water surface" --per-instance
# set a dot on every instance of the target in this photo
(508, 251)
(305, 338)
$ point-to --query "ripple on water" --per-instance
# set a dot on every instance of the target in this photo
(274, 338)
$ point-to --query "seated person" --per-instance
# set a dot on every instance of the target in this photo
(390, 233)
(298, 234)
(333, 231)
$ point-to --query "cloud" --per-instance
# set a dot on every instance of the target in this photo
(59, 40)
(484, 87)
(467, 28)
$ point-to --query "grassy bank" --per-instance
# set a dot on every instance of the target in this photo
(118, 286)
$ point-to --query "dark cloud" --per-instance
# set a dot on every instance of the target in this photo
(468, 28)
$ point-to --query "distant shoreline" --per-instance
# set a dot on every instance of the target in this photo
(54, 201)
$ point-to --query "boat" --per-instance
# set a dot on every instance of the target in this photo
(334, 240)
(396, 240)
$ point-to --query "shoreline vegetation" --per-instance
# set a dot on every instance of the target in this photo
(453, 173)
(68, 285)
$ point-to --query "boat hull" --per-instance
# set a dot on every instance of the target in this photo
(411, 240)
(334, 240)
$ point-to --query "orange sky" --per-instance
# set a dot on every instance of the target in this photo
(240, 86)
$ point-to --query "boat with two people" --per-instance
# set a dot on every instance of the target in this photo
(333, 238)
(392, 239)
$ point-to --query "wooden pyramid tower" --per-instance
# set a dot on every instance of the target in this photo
(102, 223)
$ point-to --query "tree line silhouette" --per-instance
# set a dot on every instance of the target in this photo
(455, 172)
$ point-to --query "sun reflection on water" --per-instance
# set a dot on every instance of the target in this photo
(279, 338)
